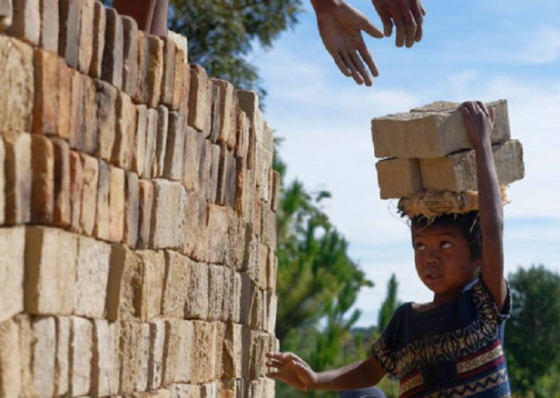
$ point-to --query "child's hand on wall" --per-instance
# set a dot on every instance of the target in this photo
(340, 27)
(479, 122)
(291, 369)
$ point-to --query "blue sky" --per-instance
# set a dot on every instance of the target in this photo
(484, 50)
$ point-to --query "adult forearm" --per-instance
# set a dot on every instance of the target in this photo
(350, 377)
(322, 5)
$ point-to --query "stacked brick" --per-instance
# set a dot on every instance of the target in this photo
(137, 214)
(428, 159)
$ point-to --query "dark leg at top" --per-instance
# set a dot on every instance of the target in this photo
(151, 15)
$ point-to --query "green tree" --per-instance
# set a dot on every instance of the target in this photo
(389, 305)
(531, 342)
(222, 33)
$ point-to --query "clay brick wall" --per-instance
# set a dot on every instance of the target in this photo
(137, 214)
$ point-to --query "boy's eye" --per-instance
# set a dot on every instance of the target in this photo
(445, 245)
(420, 246)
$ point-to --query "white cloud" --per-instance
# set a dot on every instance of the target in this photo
(543, 47)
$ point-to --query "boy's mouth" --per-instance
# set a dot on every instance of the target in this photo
(433, 277)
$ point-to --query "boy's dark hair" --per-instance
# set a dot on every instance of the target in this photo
(468, 223)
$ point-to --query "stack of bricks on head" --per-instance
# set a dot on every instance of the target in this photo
(429, 163)
(137, 214)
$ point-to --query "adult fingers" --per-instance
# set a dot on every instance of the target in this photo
(274, 364)
(399, 22)
(348, 61)
(342, 65)
(371, 29)
(411, 27)
(419, 18)
(387, 21)
(368, 59)
(482, 108)
(361, 68)
(276, 355)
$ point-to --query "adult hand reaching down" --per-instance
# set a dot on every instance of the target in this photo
(406, 15)
(340, 27)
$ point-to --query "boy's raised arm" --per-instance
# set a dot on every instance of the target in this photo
(295, 372)
(479, 122)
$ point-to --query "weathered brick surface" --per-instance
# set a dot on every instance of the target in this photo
(399, 178)
(112, 64)
(12, 243)
(158, 331)
(154, 72)
(151, 141)
(125, 132)
(69, 31)
(125, 276)
(44, 355)
(85, 49)
(203, 352)
(177, 280)
(26, 21)
(6, 14)
(65, 100)
(2, 182)
(175, 148)
(149, 305)
(139, 147)
(178, 363)
(47, 84)
(130, 55)
(106, 97)
(105, 366)
(161, 141)
(50, 267)
(76, 191)
(62, 364)
(18, 178)
(10, 359)
(431, 132)
(168, 76)
(457, 172)
(117, 198)
(42, 186)
(81, 344)
(200, 100)
(98, 44)
(132, 210)
(16, 85)
(167, 229)
(102, 229)
(62, 212)
(146, 204)
(197, 303)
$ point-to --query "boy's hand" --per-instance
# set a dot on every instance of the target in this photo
(291, 369)
(479, 122)
(340, 27)
(407, 15)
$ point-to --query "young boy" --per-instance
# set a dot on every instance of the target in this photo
(452, 346)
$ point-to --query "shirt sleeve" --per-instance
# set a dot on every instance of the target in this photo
(487, 303)
(384, 350)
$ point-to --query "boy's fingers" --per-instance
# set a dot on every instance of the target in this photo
(341, 65)
(471, 107)
(348, 61)
(492, 112)
(361, 68)
(274, 364)
(483, 108)
(464, 111)
(371, 30)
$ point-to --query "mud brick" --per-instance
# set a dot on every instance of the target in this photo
(200, 102)
(98, 43)
(263, 172)
(76, 191)
(230, 179)
(130, 358)
(219, 343)
(62, 213)
(195, 243)
(44, 355)
(233, 352)
(168, 230)
(237, 236)
(399, 177)
(85, 49)
(50, 269)
(222, 175)
(130, 55)
(204, 166)
(457, 172)
(228, 113)
(269, 227)
(62, 365)
(16, 85)
(185, 91)
(26, 21)
(228, 292)
(2, 181)
(92, 117)
(77, 112)
(143, 358)
(251, 259)
(132, 211)
(151, 138)
(179, 74)
(91, 278)
(191, 161)
(214, 179)
(146, 205)
(178, 350)
(157, 346)
(236, 297)
(272, 270)
(197, 303)
(12, 244)
(272, 304)
(125, 278)
(18, 178)
(125, 130)
(116, 204)
(216, 117)
(174, 156)
(69, 33)
(139, 151)
(203, 352)
(105, 361)
(242, 132)
(112, 65)
(107, 119)
(64, 100)
(276, 187)
(261, 271)
(149, 305)
(249, 295)
(244, 193)
(215, 292)
(6, 13)
(168, 77)
(218, 225)
(177, 277)
(102, 220)
(42, 185)
(81, 344)
(47, 83)
(249, 103)
(141, 94)
(90, 174)
(26, 341)
(161, 141)
(431, 132)
(155, 69)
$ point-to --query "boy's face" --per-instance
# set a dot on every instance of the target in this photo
(443, 258)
